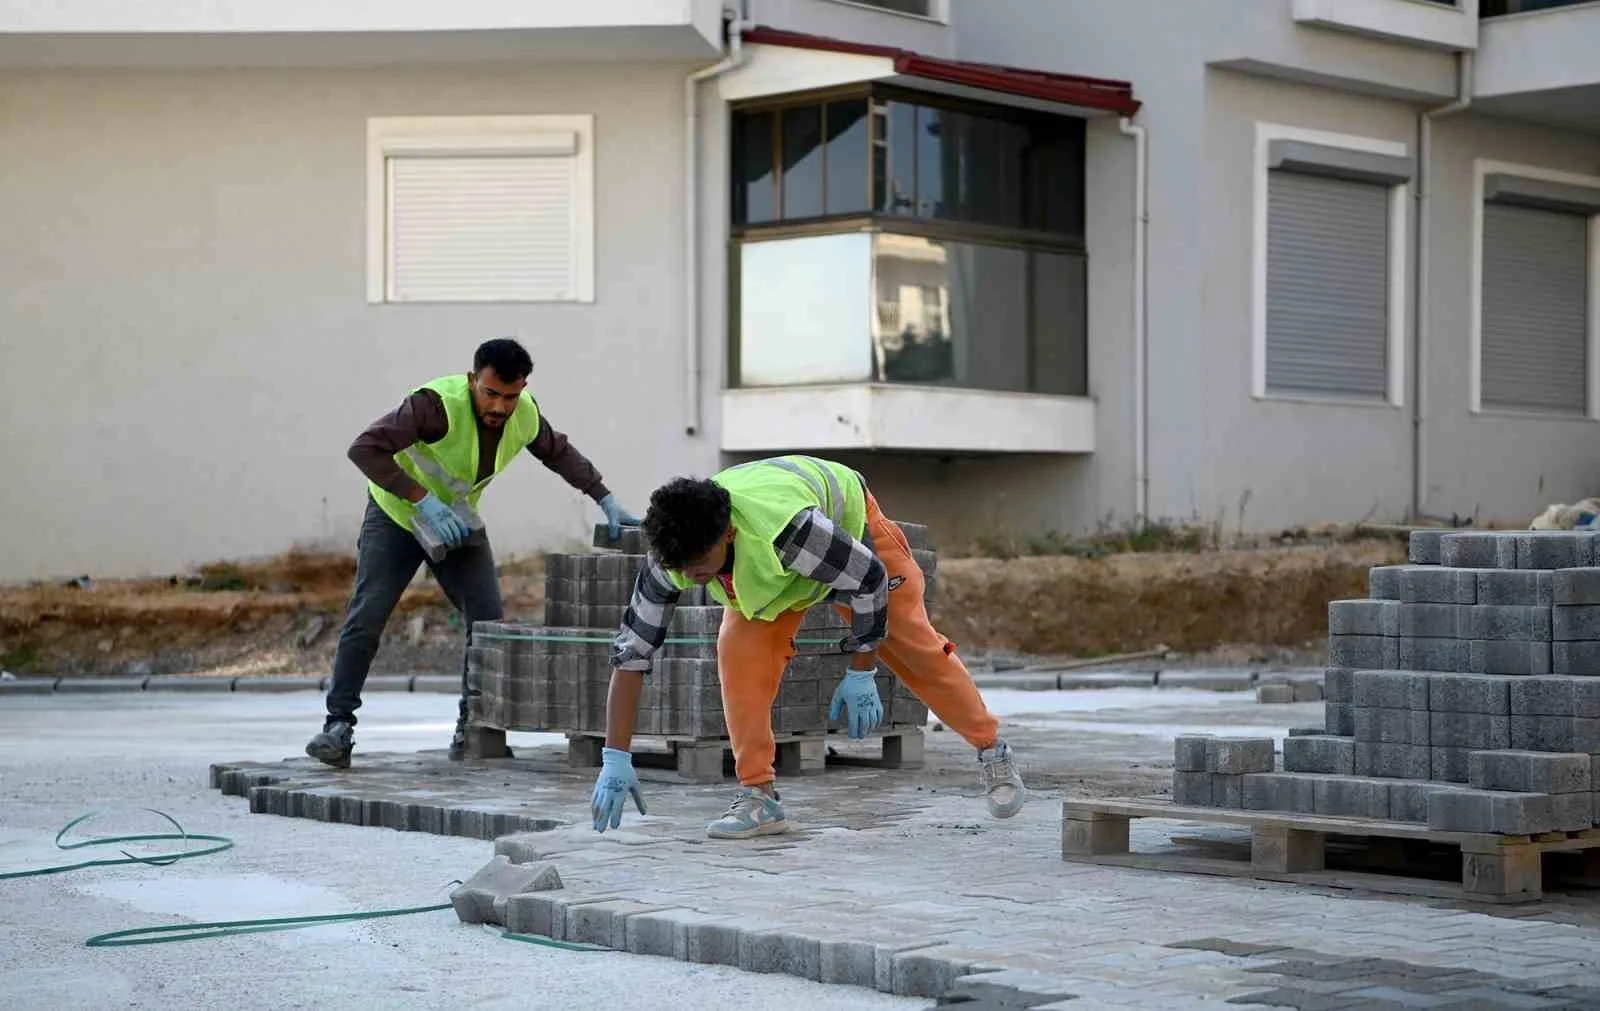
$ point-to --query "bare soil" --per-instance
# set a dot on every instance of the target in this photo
(282, 615)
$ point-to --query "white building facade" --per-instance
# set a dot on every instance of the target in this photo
(1039, 267)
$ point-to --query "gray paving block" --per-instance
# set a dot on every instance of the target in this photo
(1490, 811)
(1576, 586)
(1280, 791)
(785, 950)
(1339, 718)
(1473, 550)
(1352, 796)
(1508, 622)
(1317, 731)
(1517, 587)
(1008, 988)
(1275, 694)
(1429, 585)
(1365, 652)
(1423, 546)
(1429, 621)
(1508, 657)
(1339, 684)
(1383, 581)
(1571, 812)
(1554, 549)
(1551, 695)
(1577, 658)
(1585, 697)
(1530, 771)
(1358, 617)
(1391, 689)
(1470, 693)
(1235, 756)
(482, 897)
(1320, 754)
(1392, 761)
(1470, 730)
(1227, 790)
(1432, 654)
(1391, 726)
(1542, 733)
(1448, 765)
(1408, 800)
(1191, 789)
(1575, 622)
(1586, 735)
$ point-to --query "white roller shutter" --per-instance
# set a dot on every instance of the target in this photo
(482, 228)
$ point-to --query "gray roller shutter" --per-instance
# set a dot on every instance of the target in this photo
(1535, 309)
(1327, 286)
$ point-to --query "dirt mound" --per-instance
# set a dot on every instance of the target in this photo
(1122, 603)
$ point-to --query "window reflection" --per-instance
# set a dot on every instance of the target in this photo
(802, 162)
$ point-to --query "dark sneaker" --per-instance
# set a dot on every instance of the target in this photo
(333, 745)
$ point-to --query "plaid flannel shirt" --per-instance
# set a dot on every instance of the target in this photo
(811, 545)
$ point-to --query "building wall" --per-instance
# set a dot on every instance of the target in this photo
(188, 350)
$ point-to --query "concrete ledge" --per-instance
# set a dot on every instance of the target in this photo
(28, 686)
(185, 683)
(444, 684)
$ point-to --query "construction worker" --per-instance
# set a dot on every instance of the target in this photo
(427, 462)
(769, 539)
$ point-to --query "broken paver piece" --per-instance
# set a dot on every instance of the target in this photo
(483, 897)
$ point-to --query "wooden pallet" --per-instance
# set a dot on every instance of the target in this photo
(1293, 847)
(710, 759)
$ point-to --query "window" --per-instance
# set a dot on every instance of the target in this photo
(920, 8)
(1534, 323)
(1330, 226)
(934, 241)
(1499, 8)
(480, 209)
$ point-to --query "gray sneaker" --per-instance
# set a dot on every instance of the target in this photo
(333, 745)
(752, 813)
(1002, 785)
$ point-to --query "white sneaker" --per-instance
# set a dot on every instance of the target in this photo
(752, 813)
(1002, 785)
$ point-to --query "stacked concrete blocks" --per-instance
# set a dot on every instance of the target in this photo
(1463, 693)
(556, 676)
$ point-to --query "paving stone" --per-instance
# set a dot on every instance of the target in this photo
(1279, 791)
(1391, 689)
(1490, 811)
(605, 923)
(1393, 761)
(1475, 550)
(1572, 812)
(1275, 694)
(1478, 731)
(1586, 735)
(1408, 800)
(1191, 789)
(1575, 658)
(1508, 657)
(1360, 797)
(1339, 718)
(1316, 731)
(482, 897)
(1235, 756)
(1356, 617)
(1508, 622)
(1528, 588)
(1010, 988)
(1423, 547)
(1542, 733)
(1320, 753)
(1576, 586)
(1432, 654)
(1429, 621)
(1449, 765)
(1554, 549)
(1529, 771)
(1383, 581)
(1392, 726)
(1339, 684)
(1429, 585)
(782, 950)
(1470, 693)
(1227, 790)
(1366, 652)
(1189, 752)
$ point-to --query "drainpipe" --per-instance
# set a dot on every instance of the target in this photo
(737, 26)
(1141, 341)
(1419, 300)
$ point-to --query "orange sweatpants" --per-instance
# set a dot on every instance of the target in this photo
(752, 655)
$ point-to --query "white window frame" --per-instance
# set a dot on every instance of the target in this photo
(1482, 168)
(567, 136)
(1399, 210)
(938, 10)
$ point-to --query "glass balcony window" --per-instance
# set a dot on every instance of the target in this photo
(1498, 8)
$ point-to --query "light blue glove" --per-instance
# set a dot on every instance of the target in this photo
(442, 519)
(616, 516)
(617, 779)
(859, 691)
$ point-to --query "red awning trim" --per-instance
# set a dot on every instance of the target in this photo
(1067, 89)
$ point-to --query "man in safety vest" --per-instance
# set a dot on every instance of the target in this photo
(768, 540)
(427, 463)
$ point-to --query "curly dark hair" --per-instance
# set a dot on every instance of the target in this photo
(685, 518)
(509, 359)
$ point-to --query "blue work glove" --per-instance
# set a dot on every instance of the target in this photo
(859, 691)
(616, 516)
(617, 779)
(442, 519)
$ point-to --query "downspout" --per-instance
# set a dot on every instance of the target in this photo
(1141, 342)
(737, 25)
(1419, 296)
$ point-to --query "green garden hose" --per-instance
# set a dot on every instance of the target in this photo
(226, 928)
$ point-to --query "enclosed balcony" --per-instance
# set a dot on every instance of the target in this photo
(1537, 61)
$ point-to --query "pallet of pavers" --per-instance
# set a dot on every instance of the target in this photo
(555, 676)
(1462, 711)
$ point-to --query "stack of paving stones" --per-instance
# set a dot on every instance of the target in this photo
(1463, 693)
(528, 677)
